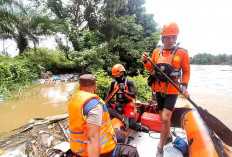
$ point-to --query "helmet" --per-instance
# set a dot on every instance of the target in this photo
(117, 68)
(170, 29)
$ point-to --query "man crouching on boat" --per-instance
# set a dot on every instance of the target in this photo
(174, 62)
(124, 91)
(91, 131)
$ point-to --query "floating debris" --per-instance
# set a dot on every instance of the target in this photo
(40, 137)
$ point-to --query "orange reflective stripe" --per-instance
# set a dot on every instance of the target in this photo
(129, 96)
(164, 59)
(108, 98)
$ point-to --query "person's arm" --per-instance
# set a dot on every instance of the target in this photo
(131, 88)
(93, 109)
(146, 63)
(186, 73)
(93, 140)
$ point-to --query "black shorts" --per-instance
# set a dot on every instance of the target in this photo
(168, 102)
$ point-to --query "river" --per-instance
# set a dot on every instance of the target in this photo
(210, 87)
(40, 100)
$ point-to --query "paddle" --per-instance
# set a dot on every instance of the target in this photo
(212, 122)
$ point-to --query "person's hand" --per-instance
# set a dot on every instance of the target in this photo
(144, 57)
(121, 87)
(184, 92)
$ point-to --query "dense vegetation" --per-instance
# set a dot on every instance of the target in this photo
(90, 35)
(16, 73)
(208, 59)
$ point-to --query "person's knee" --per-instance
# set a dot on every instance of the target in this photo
(166, 116)
(112, 113)
(165, 119)
(132, 123)
(121, 137)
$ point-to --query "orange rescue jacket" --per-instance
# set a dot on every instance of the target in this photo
(78, 126)
(179, 60)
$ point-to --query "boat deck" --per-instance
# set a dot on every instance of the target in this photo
(146, 143)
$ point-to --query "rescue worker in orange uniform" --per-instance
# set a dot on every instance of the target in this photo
(91, 131)
(174, 62)
(124, 101)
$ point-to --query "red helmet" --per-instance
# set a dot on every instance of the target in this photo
(170, 29)
(117, 68)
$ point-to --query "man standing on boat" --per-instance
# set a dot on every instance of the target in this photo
(91, 130)
(124, 100)
(174, 62)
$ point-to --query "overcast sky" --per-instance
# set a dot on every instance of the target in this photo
(205, 25)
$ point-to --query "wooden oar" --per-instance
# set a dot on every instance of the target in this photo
(212, 122)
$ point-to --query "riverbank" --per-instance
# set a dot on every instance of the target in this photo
(40, 137)
(54, 79)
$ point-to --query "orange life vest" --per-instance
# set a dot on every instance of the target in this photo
(78, 126)
(174, 73)
(120, 95)
(165, 64)
(180, 60)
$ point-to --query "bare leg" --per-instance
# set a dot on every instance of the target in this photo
(165, 131)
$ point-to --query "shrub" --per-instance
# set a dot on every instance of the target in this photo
(143, 91)
(103, 83)
(52, 60)
(16, 73)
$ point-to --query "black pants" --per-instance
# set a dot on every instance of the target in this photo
(132, 121)
(167, 102)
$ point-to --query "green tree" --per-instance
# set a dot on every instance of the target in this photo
(131, 32)
(223, 58)
(70, 18)
(91, 60)
(204, 58)
(21, 23)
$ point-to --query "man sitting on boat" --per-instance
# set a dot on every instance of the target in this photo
(124, 92)
(91, 130)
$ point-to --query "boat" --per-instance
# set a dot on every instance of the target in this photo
(187, 124)
(50, 136)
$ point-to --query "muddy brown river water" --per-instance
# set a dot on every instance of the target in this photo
(40, 100)
(210, 87)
